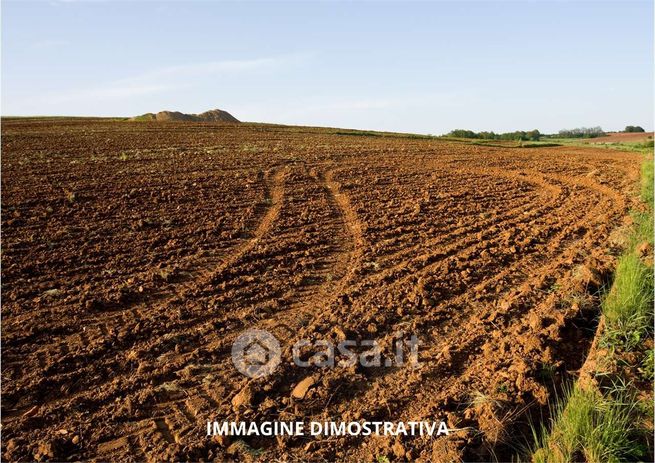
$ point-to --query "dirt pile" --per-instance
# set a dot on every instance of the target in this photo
(217, 115)
(213, 115)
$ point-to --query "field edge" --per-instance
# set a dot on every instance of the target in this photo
(607, 415)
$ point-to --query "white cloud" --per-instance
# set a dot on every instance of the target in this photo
(210, 68)
(164, 79)
(49, 44)
(108, 93)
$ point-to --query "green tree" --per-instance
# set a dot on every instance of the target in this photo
(534, 135)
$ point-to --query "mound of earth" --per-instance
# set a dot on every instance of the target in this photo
(213, 115)
(217, 115)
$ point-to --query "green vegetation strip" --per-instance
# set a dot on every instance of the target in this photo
(607, 421)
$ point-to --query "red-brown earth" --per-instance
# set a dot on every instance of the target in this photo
(135, 253)
(622, 137)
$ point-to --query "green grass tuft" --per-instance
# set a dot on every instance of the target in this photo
(591, 428)
(647, 183)
(628, 306)
(643, 229)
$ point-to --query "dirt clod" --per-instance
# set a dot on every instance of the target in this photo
(300, 390)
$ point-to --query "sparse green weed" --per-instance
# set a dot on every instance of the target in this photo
(591, 428)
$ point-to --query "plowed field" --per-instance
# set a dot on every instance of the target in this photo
(134, 254)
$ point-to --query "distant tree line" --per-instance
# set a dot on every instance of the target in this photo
(582, 132)
(518, 135)
(534, 135)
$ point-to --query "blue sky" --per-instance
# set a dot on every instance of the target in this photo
(418, 67)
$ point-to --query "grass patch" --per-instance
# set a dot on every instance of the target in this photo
(643, 229)
(628, 305)
(647, 183)
(360, 134)
(374, 133)
(144, 118)
(514, 144)
(592, 428)
(541, 145)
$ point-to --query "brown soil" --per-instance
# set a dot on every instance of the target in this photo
(134, 255)
(621, 137)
